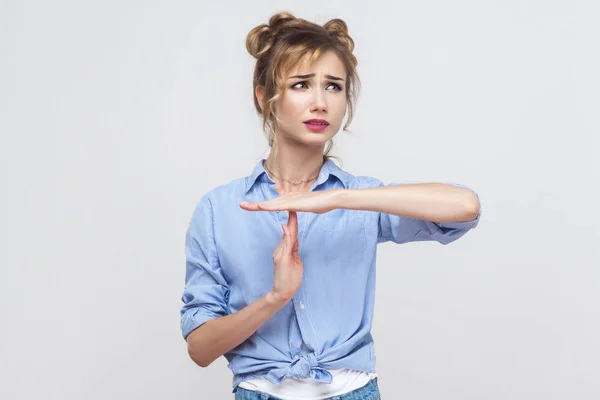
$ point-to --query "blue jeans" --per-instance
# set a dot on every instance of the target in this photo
(368, 392)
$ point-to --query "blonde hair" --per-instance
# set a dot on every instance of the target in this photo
(287, 41)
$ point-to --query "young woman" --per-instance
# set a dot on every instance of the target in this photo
(280, 272)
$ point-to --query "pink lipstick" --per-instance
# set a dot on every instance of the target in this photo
(316, 124)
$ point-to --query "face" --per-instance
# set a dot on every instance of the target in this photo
(313, 104)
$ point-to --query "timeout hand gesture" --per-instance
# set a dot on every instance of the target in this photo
(287, 264)
(318, 202)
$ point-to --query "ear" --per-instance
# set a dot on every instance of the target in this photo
(260, 95)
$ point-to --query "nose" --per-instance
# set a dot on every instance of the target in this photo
(319, 101)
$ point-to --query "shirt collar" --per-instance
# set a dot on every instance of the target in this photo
(329, 168)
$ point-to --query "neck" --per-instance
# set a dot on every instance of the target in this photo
(298, 163)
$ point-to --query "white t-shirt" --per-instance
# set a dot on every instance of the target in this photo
(344, 381)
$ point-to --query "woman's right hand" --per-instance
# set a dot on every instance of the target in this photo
(287, 264)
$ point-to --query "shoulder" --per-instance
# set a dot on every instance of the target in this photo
(227, 193)
(352, 181)
(364, 182)
(360, 181)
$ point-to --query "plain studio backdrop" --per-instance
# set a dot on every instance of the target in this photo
(117, 116)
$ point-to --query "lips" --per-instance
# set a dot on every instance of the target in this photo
(316, 125)
(317, 122)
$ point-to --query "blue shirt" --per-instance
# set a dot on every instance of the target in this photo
(327, 323)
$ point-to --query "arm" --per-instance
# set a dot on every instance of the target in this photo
(421, 212)
(207, 324)
(425, 201)
(406, 212)
(218, 336)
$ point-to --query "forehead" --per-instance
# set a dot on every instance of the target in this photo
(327, 63)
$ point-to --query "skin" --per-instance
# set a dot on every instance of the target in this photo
(312, 91)
(300, 157)
(321, 94)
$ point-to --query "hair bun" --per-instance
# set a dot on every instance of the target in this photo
(260, 38)
(279, 20)
(338, 28)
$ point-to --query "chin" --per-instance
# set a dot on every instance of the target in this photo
(309, 138)
(314, 139)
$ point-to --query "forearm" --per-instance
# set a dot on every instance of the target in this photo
(220, 335)
(436, 202)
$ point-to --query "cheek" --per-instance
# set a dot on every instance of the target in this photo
(340, 107)
(295, 107)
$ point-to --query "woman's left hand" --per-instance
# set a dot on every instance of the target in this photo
(316, 202)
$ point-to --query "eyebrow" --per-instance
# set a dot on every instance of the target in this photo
(334, 78)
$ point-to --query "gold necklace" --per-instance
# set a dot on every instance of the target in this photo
(292, 181)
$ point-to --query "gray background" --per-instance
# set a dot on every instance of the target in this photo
(117, 116)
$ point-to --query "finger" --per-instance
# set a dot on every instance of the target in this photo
(282, 242)
(295, 249)
(293, 224)
(269, 206)
(276, 252)
(288, 238)
(249, 206)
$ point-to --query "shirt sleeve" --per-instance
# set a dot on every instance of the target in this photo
(403, 229)
(206, 292)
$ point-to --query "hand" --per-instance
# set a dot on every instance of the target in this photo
(287, 264)
(316, 202)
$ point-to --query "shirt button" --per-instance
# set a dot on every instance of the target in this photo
(296, 357)
(302, 306)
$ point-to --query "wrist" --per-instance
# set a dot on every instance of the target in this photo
(275, 299)
(339, 198)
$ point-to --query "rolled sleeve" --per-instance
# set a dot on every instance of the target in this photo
(401, 229)
(206, 292)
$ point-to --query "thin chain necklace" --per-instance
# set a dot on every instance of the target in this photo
(292, 181)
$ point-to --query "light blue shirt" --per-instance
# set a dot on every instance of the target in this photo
(327, 323)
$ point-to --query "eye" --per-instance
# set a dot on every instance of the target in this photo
(336, 86)
(299, 83)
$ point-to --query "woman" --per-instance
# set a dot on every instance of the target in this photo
(280, 272)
